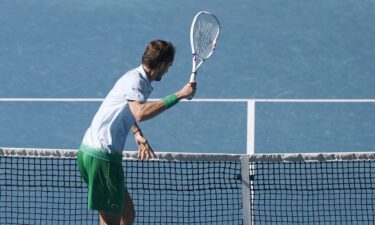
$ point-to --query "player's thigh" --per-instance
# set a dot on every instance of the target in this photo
(109, 218)
(128, 202)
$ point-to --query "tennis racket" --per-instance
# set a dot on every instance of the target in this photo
(204, 32)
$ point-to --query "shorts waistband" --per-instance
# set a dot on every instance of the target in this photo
(101, 154)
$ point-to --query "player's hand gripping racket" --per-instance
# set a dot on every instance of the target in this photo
(204, 32)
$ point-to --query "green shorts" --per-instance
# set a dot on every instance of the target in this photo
(104, 176)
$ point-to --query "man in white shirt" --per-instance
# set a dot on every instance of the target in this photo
(100, 154)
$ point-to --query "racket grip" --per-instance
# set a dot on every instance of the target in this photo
(193, 76)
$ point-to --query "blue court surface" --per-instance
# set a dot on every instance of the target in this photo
(322, 49)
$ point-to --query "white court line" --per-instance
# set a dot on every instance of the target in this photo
(193, 100)
(51, 99)
(101, 99)
(251, 105)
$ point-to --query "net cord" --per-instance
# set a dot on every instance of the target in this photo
(129, 155)
(173, 156)
(312, 157)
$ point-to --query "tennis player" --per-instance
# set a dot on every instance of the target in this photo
(100, 154)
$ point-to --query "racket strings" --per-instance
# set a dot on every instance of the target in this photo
(206, 30)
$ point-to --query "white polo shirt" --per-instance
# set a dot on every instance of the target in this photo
(112, 122)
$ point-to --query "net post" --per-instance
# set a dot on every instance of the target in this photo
(246, 196)
(250, 146)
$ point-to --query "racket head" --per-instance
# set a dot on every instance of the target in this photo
(204, 31)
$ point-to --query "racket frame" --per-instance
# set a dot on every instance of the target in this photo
(195, 65)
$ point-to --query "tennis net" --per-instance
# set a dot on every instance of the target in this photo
(313, 189)
(44, 187)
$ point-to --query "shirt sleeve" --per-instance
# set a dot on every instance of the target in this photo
(133, 89)
(135, 93)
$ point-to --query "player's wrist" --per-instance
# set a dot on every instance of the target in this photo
(170, 100)
(179, 96)
(137, 131)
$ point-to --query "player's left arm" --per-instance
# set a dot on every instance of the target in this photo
(144, 149)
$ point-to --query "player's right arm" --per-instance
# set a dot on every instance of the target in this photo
(147, 110)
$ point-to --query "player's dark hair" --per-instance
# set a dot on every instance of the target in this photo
(158, 52)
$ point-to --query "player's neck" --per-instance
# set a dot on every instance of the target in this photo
(148, 72)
